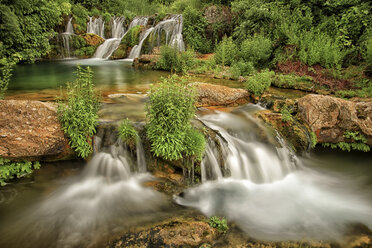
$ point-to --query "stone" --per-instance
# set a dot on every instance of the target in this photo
(30, 130)
(93, 39)
(329, 117)
(218, 95)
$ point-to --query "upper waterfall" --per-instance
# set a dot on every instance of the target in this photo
(96, 26)
(67, 40)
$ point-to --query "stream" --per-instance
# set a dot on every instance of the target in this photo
(258, 183)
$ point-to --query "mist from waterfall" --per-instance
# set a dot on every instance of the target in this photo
(254, 180)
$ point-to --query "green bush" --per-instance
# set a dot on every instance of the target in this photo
(80, 15)
(194, 30)
(169, 110)
(226, 52)
(78, 116)
(10, 169)
(219, 223)
(6, 68)
(357, 142)
(286, 114)
(257, 50)
(127, 132)
(241, 69)
(314, 139)
(175, 61)
(132, 37)
(259, 82)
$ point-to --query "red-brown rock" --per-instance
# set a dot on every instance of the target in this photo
(31, 130)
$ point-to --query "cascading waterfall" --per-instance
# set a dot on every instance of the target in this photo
(105, 50)
(96, 26)
(172, 28)
(108, 196)
(266, 190)
(67, 39)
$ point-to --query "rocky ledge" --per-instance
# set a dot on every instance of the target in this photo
(30, 130)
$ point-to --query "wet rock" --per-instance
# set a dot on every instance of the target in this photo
(218, 95)
(173, 233)
(93, 39)
(31, 130)
(295, 133)
(329, 117)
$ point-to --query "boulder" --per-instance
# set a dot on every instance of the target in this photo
(218, 95)
(329, 117)
(30, 130)
(93, 39)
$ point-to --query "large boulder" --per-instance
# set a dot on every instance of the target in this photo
(329, 117)
(218, 95)
(30, 130)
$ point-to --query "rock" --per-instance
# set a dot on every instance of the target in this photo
(329, 117)
(146, 61)
(292, 131)
(30, 130)
(173, 233)
(218, 95)
(93, 39)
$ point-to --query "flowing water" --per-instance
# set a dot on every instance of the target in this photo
(67, 40)
(96, 26)
(172, 28)
(106, 197)
(269, 192)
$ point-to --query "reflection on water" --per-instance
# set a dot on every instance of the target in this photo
(108, 75)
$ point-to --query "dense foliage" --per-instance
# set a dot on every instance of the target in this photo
(170, 109)
(11, 169)
(175, 61)
(259, 82)
(78, 116)
(220, 223)
(127, 132)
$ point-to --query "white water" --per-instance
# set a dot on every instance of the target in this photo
(105, 50)
(270, 195)
(107, 196)
(96, 26)
(172, 28)
(67, 39)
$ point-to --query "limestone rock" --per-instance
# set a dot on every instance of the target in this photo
(218, 95)
(93, 39)
(329, 117)
(31, 130)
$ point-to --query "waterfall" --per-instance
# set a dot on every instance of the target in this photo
(172, 28)
(252, 178)
(96, 26)
(105, 50)
(136, 50)
(67, 40)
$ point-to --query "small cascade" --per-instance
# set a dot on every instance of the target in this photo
(96, 26)
(243, 155)
(136, 50)
(172, 28)
(259, 184)
(105, 50)
(67, 40)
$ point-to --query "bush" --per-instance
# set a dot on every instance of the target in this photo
(169, 110)
(257, 50)
(175, 61)
(226, 52)
(10, 170)
(6, 68)
(259, 82)
(80, 15)
(286, 114)
(241, 69)
(78, 116)
(219, 223)
(357, 142)
(194, 30)
(127, 132)
(132, 37)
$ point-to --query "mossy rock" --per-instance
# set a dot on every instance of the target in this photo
(92, 39)
(121, 53)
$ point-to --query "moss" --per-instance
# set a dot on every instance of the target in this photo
(132, 37)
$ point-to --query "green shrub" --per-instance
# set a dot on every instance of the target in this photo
(241, 69)
(286, 114)
(80, 15)
(257, 50)
(132, 37)
(175, 61)
(169, 110)
(226, 52)
(127, 132)
(10, 169)
(358, 142)
(259, 82)
(78, 116)
(314, 139)
(194, 26)
(219, 223)
(6, 68)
